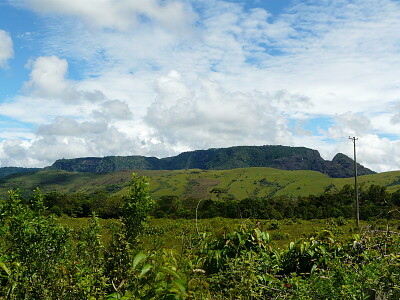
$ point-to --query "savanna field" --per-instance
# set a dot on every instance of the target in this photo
(63, 246)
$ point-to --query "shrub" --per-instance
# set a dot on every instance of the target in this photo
(136, 208)
(274, 225)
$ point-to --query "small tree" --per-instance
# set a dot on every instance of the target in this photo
(136, 208)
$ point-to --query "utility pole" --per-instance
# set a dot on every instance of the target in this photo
(354, 139)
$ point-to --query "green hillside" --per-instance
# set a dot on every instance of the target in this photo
(236, 183)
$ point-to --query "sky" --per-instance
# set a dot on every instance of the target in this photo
(159, 77)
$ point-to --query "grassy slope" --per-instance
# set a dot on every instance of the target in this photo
(240, 183)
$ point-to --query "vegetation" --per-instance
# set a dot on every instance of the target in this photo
(279, 157)
(5, 171)
(218, 201)
(130, 258)
(194, 184)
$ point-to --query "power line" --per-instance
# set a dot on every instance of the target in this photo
(354, 139)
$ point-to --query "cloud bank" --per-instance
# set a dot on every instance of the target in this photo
(160, 77)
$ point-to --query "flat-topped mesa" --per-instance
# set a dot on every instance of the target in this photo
(106, 164)
(279, 157)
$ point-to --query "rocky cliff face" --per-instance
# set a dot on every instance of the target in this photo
(279, 157)
(106, 164)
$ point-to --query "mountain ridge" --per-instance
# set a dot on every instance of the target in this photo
(273, 156)
(5, 171)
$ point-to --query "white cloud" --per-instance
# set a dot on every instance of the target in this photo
(114, 110)
(47, 77)
(241, 75)
(48, 80)
(66, 138)
(6, 48)
(120, 14)
(349, 124)
(69, 127)
(373, 152)
(208, 116)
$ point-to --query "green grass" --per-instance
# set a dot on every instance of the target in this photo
(238, 183)
(174, 234)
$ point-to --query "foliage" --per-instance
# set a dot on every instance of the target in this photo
(375, 202)
(36, 248)
(136, 208)
(40, 259)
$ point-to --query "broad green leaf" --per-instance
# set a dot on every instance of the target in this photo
(138, 258)
(170, 272)
(4, 267)
(314, 267)
(145, 269)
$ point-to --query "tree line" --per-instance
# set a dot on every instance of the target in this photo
(375, 201)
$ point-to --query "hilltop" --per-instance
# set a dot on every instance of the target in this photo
(277, 157)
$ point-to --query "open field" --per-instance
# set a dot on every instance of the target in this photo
(172, 234)
(237, 183)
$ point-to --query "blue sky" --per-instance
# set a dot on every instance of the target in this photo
(151, 77)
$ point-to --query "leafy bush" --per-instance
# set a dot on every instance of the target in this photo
(36, 249)
(136, 208)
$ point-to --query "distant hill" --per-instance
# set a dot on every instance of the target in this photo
(5, 171)
(278, 157)
(195, 183)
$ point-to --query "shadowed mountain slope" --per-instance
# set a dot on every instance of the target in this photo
(5, 171)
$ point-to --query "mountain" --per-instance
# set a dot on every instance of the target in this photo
(278, 157)
(106, 164)
(342, 166)
(5, 171)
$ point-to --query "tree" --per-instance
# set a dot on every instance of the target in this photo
(136, 208)
(167, 205)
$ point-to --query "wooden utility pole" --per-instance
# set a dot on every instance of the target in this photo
(354, 139)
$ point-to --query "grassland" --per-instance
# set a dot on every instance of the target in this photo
(237, 183)
(173, 234)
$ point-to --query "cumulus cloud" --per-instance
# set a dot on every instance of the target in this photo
(113, 110)
(66, 138)
(47, 77)
(6, 48)
(212, 116)
(69, 127)
(48, 80)
(349, 124)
